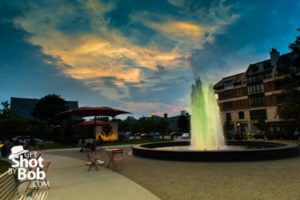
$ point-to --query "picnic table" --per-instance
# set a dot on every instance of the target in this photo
(115, 157)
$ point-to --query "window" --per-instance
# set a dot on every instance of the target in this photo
(227, 105)
(241, 115)
(239, 104)
(227, 84)
(281, 98)
(278, 85)
(256, 101)
(225, 94)
(228, 116)
(254, 68)
(258, 114)
(239, 92)
(256, 89)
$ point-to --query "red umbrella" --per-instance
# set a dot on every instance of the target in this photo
(93, 123)
(93, 111)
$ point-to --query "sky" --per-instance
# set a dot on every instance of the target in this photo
(140, 56)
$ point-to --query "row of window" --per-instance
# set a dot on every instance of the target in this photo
(252, 89)
(256, 101)
(256, 89)
(254, 115)
(232, 93)
(233, 104)
(241, 115)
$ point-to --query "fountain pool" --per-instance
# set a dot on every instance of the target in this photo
(207, 138)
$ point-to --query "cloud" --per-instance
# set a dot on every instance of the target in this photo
(185, 36)
(100, 53)
(87, 47)
(192, 28)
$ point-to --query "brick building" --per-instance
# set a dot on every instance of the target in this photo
(253, 95)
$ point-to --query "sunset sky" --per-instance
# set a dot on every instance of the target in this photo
(140, 56)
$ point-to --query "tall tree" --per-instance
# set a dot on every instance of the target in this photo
(295, 46)
(183, 123)
(228, 127)
(6, 112)
(48, 106)
(289, 108)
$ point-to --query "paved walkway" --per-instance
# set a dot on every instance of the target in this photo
(69, 179)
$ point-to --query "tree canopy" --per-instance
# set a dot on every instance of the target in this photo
(295, 46)
(289, 108)
(5, 112)
(183, 123)
(48, 107)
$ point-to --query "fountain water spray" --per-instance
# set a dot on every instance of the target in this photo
(206, 128)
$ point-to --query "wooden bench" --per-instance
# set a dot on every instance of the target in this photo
(9, 190)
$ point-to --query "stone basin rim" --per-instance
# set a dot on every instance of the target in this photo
(271, 150)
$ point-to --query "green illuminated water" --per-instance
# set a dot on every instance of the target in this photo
(206, 129)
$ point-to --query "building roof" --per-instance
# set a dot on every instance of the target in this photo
(267, 68)
(23, 107)
(230, 80)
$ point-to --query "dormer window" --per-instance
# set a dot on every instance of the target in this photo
(228, 84)
(254, 69)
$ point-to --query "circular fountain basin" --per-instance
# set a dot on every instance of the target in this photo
(236, 151)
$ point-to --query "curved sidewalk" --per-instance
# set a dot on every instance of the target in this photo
(69, 179)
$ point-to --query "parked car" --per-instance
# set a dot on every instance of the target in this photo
(156, 136)
(175, 134)
(185, 136)
(147, 135)
(26, 139)
(22, 139)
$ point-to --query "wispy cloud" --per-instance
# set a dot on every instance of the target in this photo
(88, 48)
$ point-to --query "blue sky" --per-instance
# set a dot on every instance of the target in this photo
(141, 56)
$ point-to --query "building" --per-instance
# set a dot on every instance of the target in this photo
(23, 107)
(253, 95)
(173, 121)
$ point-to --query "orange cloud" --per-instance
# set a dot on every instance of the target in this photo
(103, 52)
(180, 29)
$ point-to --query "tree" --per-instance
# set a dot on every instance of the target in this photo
(289, 108)
(228, 128)
(164, 127)
(261, 126)
(183, 123)
(6, 112)
(48, 107)
(295, 46)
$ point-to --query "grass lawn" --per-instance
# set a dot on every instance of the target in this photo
(4, 165)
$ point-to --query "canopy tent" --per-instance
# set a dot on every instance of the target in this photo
(93, 123)
(93, 111)
(104, 130)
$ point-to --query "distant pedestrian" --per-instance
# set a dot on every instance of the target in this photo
(81, 144)
(297, 135)
(31, 143)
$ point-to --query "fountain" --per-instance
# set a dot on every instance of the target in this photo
(207, 138)
(206, 125)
